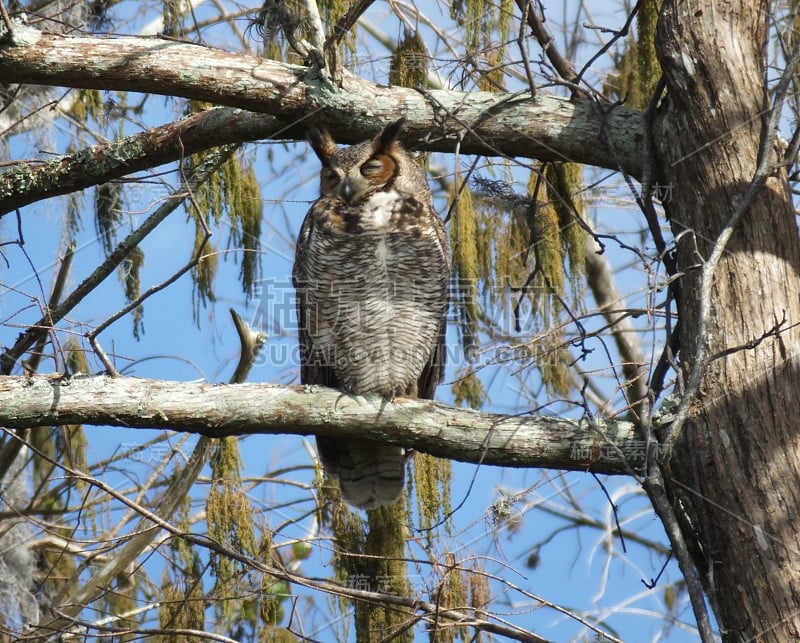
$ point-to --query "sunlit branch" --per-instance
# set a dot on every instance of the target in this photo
(499, 123)
(604, 446)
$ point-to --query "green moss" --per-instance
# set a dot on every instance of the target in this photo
(432, 480)
(229, 519)
(409, 65)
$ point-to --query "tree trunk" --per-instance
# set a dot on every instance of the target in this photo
(735, 471)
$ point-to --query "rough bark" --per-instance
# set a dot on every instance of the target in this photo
(543, 127)
(735, 472)
(30, 182)
(606, 446)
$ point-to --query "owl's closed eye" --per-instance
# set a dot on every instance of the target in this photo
(354, 173)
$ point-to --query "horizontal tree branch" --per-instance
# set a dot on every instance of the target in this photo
(27, 182)
(602, 446)
(542, 127)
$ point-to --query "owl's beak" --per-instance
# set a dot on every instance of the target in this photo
(347, 190)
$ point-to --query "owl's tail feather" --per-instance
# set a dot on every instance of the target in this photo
(370, 474)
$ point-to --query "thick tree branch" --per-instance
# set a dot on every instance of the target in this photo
(544, 127)
(608, 446)
(28, 182)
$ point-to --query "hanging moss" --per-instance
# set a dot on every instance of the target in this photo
(557, 240)
(409, 64)
(172, 13)
(384, 569)
(794, 12)
(72, 216)
(554, 361)
(450, 593)
(464, 242)
(181, 606)
(432, 480)
(546, 234)
(504, 240)
(567, 184)
(276, 635)
(122, 601)
(474, 22)
(622, 82)
(370, 556)
(468, 390)
(244, 210)
(88, 103)
(349, 539)
(107, 213)
(229, 518)
(203, 275)
(273, 595)
(480, 595)
(208, 200)
(636, 69)
(279, 24)
(233, 196)
(75, 357)
(131, 269)
(181, 603)
(487, 27)
(228, 509)
(332, 11)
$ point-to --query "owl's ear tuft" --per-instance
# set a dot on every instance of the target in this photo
(389, 135)
(322, 143)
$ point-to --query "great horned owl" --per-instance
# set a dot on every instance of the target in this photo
(371, 271)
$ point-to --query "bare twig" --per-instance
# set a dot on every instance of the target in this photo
(6, 19)
(191, 183)
(251, 342)
(546, 40)
(654, 485)
(55, 314)
(616, 36)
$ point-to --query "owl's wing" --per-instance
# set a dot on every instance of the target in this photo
(334, 453)
(312, 371)
(434, 369)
